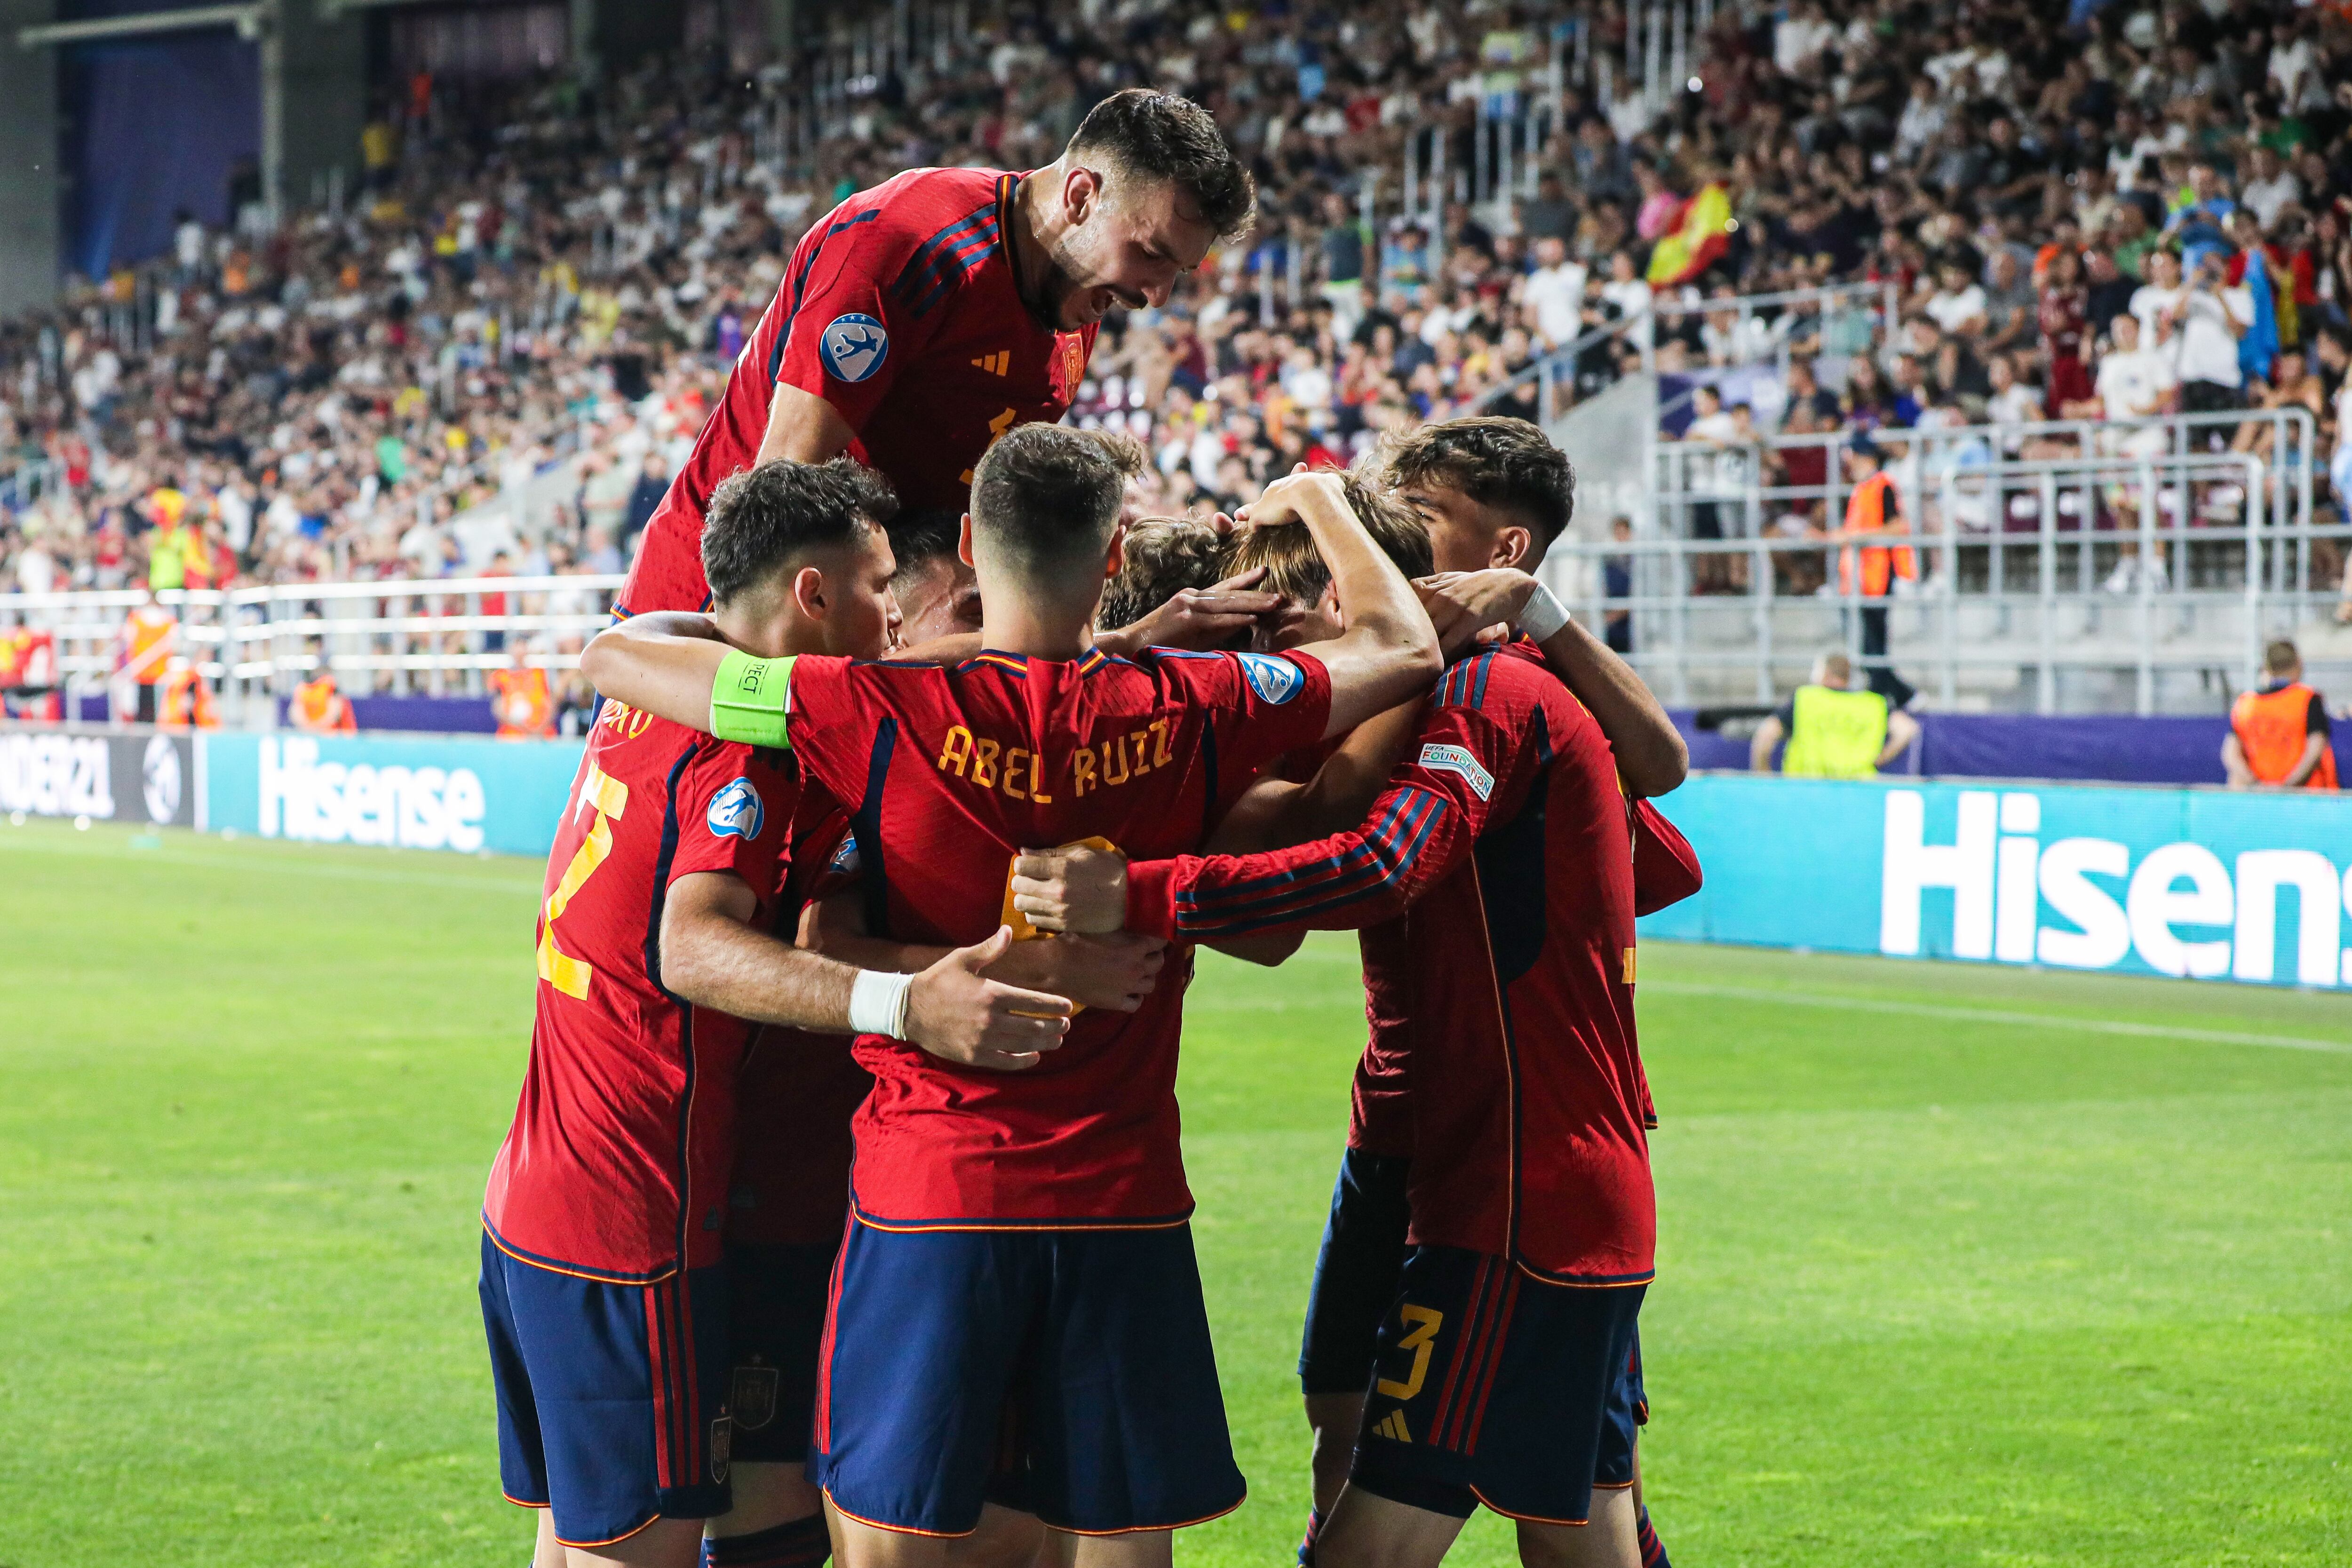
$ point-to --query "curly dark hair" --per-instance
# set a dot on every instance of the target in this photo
(1158, 136)
(1162, 556)
(1496, 462)
(762, 521)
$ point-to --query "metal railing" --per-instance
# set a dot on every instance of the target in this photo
(2095, 557)
(1785, 315)
(418, 636)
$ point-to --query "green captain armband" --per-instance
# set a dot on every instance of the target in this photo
(750, 699)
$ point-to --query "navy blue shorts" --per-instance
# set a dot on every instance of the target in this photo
(1064, 1372)
(1494, 1386)
(1356, 1272)
(611, 1398)
(776, 1321)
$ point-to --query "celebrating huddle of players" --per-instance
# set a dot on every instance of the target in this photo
(844, 1209)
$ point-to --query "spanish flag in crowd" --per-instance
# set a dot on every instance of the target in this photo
(1702, 234)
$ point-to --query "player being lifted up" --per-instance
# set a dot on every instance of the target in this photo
(1018, 1276)
(1496, 871)
(919, 320)
(600, 1281)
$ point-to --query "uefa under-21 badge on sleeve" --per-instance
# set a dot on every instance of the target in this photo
(736, 812)
(1275, 680)
(854, 347)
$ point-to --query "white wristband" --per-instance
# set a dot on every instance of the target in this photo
(1544, 614)
(878, 1003)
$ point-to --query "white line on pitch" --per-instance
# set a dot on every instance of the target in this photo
(1989, 1016)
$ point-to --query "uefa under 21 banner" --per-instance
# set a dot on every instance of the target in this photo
(2204, 883)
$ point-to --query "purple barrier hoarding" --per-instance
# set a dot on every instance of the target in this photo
(2110, 748)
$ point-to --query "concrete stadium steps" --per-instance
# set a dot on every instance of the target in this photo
(2200, 646)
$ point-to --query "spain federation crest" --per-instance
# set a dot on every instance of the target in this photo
(751, 1400)
(854, 347)
(736, 812)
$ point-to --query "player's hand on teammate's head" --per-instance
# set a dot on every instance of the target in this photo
(1199, 619)
(1071, 890)
(958, 1016)
(1116, 971)
(1473, 607)
(1279, 501)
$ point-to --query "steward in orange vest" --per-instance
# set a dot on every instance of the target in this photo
(319, 707)
(522, 700)
(1873, 508)
(186, 701)
(2278, 735)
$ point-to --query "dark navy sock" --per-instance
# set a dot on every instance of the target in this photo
(802, 1544)
(1654, 1551)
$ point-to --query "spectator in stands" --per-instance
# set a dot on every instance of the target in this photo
(1617, 589)
(653, 483)
(1832, 731)
(2278, 735)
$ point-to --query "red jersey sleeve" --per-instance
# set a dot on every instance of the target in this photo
(734, 810)
(1464, 767)
(850, 334)
(1263, 704)
(1665, 866)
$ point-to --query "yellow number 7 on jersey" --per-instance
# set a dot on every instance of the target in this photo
(608, 797)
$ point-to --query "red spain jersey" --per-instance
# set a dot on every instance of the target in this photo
(797, 1090)
(1380, 1113)
(949, 772)
(617, 1165)
(1502, 853)
(902, 309)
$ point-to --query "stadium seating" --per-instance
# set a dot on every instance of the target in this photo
(504, 344)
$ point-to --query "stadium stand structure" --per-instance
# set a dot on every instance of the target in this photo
(1917, 220)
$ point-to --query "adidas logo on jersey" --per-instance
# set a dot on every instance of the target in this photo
(998, 364)
(1392, 1426)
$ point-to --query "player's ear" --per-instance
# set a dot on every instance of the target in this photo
(1511, 547)
(808, 593)
(963, 544)
(1327, 602)
(1082, 192)
(1116, 556)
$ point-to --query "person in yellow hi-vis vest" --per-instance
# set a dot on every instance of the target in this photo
(2279, 736)
(1833, 731)
(521, 699)
(167, 543)
(1869, 570)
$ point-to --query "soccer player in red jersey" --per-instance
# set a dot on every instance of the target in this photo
(1493, 494)
(1496, 871)
(919, 320)
(1018, 1276)
(600, 1285)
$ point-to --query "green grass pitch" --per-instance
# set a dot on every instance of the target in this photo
(1949, 1274)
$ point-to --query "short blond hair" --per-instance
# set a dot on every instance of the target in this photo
(1293, 566)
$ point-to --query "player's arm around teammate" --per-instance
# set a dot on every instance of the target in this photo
(1495, 493)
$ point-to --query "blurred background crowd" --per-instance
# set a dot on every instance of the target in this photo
(490, 360)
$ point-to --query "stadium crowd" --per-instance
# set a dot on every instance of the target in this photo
(544, 283)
